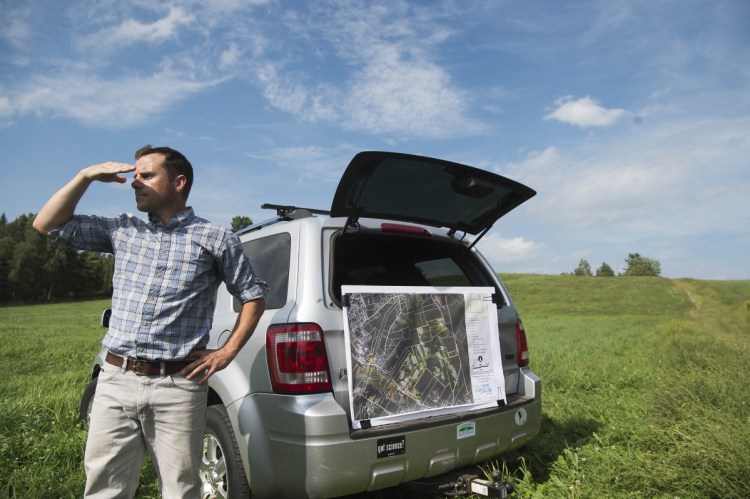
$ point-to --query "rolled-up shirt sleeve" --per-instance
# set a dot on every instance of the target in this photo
(84, 232)
(238, 273)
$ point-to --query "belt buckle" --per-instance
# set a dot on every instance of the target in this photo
(140, 368)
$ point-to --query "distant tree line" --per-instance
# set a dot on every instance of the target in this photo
(33, 269)
(635, 265)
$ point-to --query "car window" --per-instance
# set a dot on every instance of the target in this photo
(270, 259)
(443, 272)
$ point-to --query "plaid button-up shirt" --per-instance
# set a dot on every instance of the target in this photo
(165, 280)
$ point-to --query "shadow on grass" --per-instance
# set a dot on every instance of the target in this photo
(554, 437)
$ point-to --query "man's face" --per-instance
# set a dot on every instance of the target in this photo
(155, 192)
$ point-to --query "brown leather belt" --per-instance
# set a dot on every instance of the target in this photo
(147, 367)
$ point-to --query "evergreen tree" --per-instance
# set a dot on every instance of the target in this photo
(33, 268)
(240, 222)
(605, 270)
(637, 265)
(6, 256)
(584, 268)
(28, 274)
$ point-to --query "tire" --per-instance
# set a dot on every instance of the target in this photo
(87, 399)
(222, 473)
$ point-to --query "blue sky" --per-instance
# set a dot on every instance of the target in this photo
(631, 119)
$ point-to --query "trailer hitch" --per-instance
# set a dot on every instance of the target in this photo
(472, 484)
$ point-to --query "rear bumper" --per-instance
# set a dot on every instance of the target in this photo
(302, 446)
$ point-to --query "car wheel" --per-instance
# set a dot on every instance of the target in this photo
(87, 399)
(221, 472)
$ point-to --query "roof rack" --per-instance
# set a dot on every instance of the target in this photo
(288, 211)
(284, 213)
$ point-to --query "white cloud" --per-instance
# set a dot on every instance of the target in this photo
(584, 112)
(117, 103)
(601, 193)
(516, 254)
(620, 195)
(391, 95)
(281, 91)
(229, 6)
(536, 160)
(666, 191)
(16, 26)
(388, 96)
(513, 249)
(6, 112)
(132, 31)
(657, 183)
(534, 169)
(324, 164)
(230, 57)
(389, 84)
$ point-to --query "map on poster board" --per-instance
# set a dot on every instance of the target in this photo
(414, 352)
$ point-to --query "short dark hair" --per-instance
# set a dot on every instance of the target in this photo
(174, 162)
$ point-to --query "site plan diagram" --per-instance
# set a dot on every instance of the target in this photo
(412, 350)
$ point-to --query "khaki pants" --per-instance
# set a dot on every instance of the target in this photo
(133, 413)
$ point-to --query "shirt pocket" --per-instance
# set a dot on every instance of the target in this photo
(193, 269)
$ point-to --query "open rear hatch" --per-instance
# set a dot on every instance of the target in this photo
(427, 191)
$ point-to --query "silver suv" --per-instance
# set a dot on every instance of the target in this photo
(396, 378)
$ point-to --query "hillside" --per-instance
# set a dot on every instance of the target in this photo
(644, 386)
(644, 389)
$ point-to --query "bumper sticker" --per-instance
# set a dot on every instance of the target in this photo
(392, 446)
(466, 430)
(521, 416)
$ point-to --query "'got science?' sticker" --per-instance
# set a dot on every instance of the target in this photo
(393, 446)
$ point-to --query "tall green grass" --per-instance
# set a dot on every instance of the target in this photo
(646, 390)
(46, 355)
(45, 361)
(645, 387)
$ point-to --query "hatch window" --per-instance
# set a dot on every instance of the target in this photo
(378, 259)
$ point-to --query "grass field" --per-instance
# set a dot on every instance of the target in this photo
(646, 390)
(645, 387)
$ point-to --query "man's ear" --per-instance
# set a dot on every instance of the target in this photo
(180, 182)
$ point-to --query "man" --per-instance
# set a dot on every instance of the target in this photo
(151, 392)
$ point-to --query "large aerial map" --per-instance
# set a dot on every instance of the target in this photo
(410, 353)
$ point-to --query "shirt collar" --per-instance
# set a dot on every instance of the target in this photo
(178, 219)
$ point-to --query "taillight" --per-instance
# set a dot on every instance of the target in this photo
(522, 347)
(297, 360)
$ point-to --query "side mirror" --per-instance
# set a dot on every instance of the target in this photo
(104, 321)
